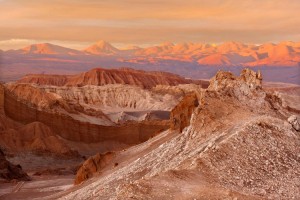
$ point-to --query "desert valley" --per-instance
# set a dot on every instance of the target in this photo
(149, 100)
(132, 134)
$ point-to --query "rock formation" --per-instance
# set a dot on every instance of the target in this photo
(92, 166)
(82, 131)
(100, 76)
(293, 120)
(75, 113)
(8, 171)
(246, 88)
(181, 114)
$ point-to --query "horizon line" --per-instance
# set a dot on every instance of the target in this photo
(122, 46)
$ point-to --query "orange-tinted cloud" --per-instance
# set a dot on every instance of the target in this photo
(150, 21)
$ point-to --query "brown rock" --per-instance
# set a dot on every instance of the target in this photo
(246, 88)
(8, 171)
(93, 165)
(181, 115)
(293, 120)
(226, 80)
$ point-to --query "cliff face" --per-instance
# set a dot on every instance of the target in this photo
(74, 130)
(101, 76)
(181, 114)
(92, 166)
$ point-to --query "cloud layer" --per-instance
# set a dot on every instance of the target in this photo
(148, 21)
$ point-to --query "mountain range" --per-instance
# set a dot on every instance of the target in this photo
(191, 60)
(228, 53)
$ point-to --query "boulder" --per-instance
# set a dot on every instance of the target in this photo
(293, 120)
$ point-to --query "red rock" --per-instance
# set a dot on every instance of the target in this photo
(93, 165)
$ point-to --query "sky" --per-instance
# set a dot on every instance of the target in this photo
(79, 23)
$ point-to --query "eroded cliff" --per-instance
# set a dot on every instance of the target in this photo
(82, 131)
(181, 115)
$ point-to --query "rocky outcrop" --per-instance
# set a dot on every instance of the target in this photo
(92, 166)
(181, 115)
(251, 78)
(9, 171)
(225, 81)
(100, 76)
(246, 88)
(293, 120)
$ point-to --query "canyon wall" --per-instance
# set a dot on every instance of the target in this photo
(74, 130)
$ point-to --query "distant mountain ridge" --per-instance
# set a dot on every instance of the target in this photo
(47, 48)
(227, 54)
(101, 48)
(100, 76)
